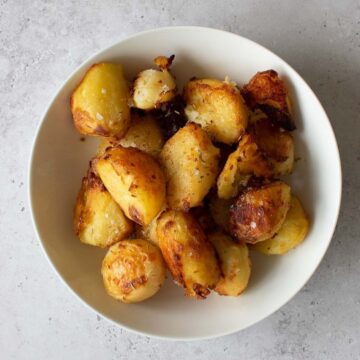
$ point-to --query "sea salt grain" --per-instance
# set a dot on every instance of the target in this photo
(253, 225)
(99, 116)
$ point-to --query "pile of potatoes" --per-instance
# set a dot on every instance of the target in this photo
(187, 182)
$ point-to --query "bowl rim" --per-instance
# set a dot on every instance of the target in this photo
(30, 179)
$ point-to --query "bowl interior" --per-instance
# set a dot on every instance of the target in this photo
(60, 159)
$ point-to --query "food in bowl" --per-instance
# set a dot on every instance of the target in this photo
(188, 181)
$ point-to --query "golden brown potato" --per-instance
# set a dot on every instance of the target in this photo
(154, 87)
(191, 162)
(99, 104)
(218, 107)
(292, 232)
(259, 213)
(245, 161)
(277, 144)
(133, 270)
(98, 219)
(268, 92)
(144, 134)
(220, 211)
(135, 181)
(187, 253)
(234, 262)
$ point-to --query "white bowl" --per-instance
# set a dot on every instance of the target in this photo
(59, 160)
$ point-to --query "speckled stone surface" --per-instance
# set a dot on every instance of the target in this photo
(41, 43)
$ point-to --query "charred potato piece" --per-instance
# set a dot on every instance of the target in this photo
(292, 232)
(259, 213)
(218, 107)
(133, 270)
(154, 87)
(245, 161)
(220, 211)
(187, 253)
(278, 145)
(235, 265)
(144, 134)
(268, 92)
(99, 104)
(98, 219)
(135, 181)
(190, 161)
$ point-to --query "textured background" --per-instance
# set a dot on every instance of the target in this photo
(41, 43)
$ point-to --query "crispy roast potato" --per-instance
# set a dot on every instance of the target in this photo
(277, 144)
(99, 104)
(245, 161)
(133, 270)
(292, 232)
(144, 134)
(259, 213)
(268, 92)
(187, 253)
(98, 219)
(218, 107)
(234, 262)
(154, 87)
(135, 181)
(220, 211)
(190, 161)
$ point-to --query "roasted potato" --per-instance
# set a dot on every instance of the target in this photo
(220, 211)
(190, 161)
(187, 253)
(148, 232)
(268, 92)
(218, 107)
(154, 87)
(292, 232)
(258, 213)
(235, 264)
(135, 181)
(133, 270)
(99, 104)
(245, 161)
(144, 134)
(277, 144)
(98, 219)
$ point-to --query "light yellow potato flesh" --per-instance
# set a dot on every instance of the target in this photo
(291, 234)
(99, 104)
(234, 262)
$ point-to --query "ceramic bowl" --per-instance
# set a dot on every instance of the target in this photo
(59, 160)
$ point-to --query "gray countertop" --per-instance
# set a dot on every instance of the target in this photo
(41, 43)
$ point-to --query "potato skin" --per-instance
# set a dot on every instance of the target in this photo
(99, 104)
(234, 262)
(259, 213)
(154, 87)
(187, 253)
(190, 162)
(277, 144)
(98, 219)
(135, 181)
(144, 134)
(133, 270)
(245, 161)
(218, 107)
(268, 92)
(292, 232)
